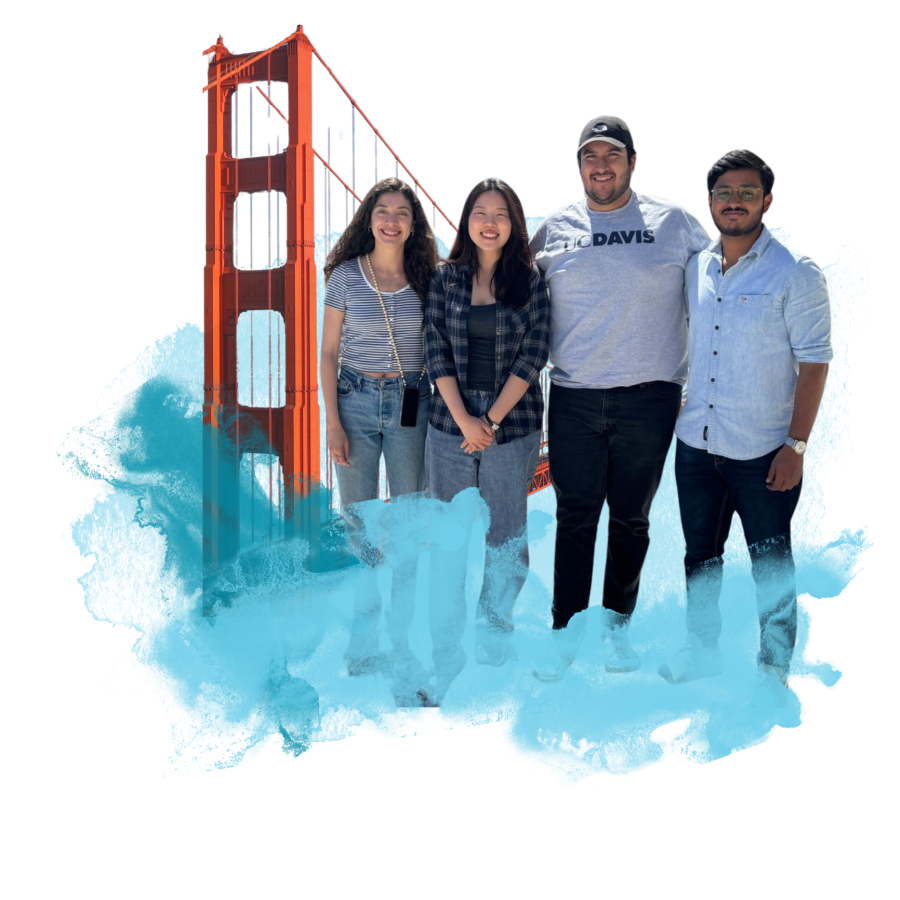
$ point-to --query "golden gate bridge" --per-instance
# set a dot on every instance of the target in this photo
(261, 409)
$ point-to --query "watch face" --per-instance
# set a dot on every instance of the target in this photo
(800, 447)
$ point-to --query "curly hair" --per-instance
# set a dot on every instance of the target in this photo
(512, 276)
(420, 255)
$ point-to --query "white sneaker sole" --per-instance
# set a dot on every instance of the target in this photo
(549, 674)
(631, 666)
(710, 672)
(621, 659)
(715, 667)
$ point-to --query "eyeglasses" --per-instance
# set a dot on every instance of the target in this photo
(747, 194)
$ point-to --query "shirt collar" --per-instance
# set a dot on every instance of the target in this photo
(759, 245)
(632, 202)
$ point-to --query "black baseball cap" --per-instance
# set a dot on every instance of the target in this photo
(606, 128)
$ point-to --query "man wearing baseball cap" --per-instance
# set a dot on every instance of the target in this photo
(614, 263)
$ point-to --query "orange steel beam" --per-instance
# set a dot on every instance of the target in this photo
(301, 412)
(268, 100)
(541, 475)
(292, 431)
(236, 70)
(341, 180)
(221, 526)
(319, 156)
(386, 144)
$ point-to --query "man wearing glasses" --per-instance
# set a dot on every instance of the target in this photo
(614, 263)
(759, 348)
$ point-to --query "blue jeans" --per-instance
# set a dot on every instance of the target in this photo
(606, 445)
(502, 473)
(711, 489)
(369, 410)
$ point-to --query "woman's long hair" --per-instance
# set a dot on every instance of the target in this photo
(512, 276)
(420, 256)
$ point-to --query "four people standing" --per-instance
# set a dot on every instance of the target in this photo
(620, 268)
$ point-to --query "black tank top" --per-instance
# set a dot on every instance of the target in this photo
(482, 334)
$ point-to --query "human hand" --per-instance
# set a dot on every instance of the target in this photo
(477, 433)
(338, 445)
(786, 470)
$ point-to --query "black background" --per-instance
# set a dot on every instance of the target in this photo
(456, 110)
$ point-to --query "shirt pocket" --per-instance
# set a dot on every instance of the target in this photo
(754, 313)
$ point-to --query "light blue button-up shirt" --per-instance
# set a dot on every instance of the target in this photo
(749, 330)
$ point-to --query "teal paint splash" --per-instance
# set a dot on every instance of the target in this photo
(271, 663)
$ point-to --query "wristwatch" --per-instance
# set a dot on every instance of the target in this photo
(799, 447)
(494, 425)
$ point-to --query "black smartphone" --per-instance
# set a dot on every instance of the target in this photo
(409, 407)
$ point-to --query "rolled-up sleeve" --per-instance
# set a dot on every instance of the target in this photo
(807, 313)
(438, 353)
(532, 356)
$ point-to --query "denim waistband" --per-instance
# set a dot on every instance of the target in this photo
(480, 393)
(358, 380)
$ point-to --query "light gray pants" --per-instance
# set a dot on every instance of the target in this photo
(502, 474)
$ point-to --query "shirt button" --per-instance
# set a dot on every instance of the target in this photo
(712, 379)
(715, 352)
(711, 406)
(718, 299)
(717, 327)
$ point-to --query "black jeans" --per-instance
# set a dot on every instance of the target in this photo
(711, 489)
(611, 445)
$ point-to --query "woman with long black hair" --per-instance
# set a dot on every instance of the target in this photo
(486, 343)
(375, 389)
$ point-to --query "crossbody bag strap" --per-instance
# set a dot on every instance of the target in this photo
(387, 322)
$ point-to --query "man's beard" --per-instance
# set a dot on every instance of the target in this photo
(616, 194)
(738, 229)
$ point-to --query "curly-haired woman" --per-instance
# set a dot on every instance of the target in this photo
(377, 279)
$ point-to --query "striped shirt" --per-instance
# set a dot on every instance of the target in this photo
(365, 343)
(523, 342)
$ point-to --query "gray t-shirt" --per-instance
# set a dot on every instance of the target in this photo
(616, 282)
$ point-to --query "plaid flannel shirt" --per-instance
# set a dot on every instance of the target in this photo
(523, 345)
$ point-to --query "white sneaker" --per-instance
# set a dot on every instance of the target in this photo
(692, 661)
(566, 642)
(621, 656)
(771, 688)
